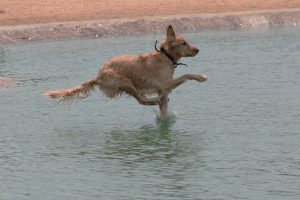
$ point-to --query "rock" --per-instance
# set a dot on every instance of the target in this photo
(6, 82)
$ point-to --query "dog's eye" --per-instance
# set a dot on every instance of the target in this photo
(184, 43)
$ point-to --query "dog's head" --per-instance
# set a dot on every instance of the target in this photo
(177, 45)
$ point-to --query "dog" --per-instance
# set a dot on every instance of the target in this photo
(139, 76)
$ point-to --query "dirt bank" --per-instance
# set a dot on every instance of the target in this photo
(100, 28)
(16, 12)
(58, 19)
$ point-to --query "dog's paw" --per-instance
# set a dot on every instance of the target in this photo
(201, 78)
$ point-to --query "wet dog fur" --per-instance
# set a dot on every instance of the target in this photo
(139, 76)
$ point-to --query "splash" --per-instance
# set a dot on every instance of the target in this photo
(166, 122)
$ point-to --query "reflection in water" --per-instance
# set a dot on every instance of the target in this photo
(156, 152)
(5, 82)
(2, 56)
(149, 142)
(155, 142)
(2, 59)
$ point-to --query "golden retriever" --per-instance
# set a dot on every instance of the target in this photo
(140, 75)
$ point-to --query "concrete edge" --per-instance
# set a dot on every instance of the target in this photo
(100, 28)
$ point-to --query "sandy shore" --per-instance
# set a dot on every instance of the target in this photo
(58, 19)
(16, 12)
(133, 26)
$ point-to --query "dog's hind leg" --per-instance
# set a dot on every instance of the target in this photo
(119, 84)
(131, 90)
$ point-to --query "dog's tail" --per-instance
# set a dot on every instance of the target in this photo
(78, 92)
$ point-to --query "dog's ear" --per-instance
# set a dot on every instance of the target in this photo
(170, 33)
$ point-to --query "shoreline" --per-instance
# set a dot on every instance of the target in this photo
(143, 25)
(260, 19)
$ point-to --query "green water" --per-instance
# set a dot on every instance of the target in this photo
(235, 136)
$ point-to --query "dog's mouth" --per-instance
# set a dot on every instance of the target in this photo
(193, 53)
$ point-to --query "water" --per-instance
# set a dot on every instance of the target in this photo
(236, 136)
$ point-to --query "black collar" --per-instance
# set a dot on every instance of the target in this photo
(162, 50)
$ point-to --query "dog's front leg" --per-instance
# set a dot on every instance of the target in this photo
(178, 81)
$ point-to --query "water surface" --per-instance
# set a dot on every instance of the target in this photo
(236, 136)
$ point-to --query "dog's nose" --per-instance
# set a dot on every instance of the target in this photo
(196, 50)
